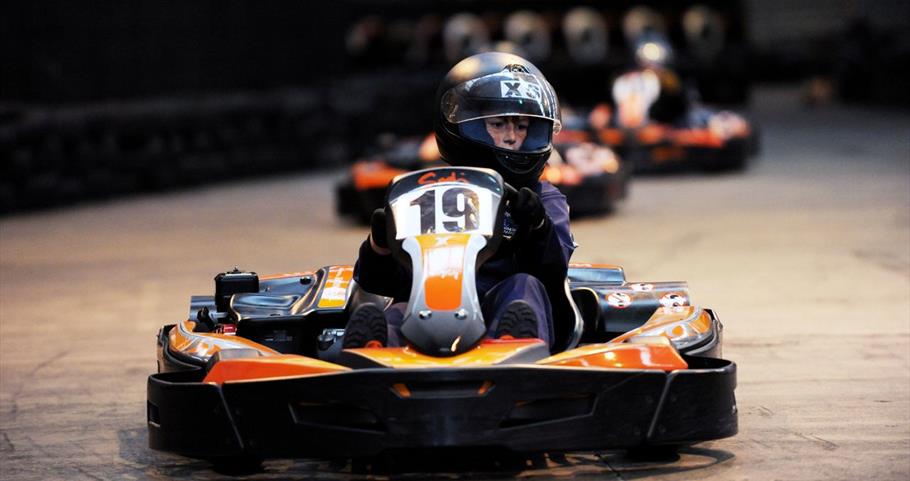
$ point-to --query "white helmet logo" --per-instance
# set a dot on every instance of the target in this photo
(519, 89)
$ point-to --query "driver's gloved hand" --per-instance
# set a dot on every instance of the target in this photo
(527, 210)
(378, 232)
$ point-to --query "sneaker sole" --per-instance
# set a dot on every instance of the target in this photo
(366, 328)
(518, 321)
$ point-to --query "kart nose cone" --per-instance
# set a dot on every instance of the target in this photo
(443, 333)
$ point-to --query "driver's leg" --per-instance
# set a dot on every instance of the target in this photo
(370, 326)
(519, 307)
(394, 314)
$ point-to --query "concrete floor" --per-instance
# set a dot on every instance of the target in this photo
(806, 258)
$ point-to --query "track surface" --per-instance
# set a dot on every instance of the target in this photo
(806, 258)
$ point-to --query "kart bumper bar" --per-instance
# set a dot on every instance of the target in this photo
(364, 412)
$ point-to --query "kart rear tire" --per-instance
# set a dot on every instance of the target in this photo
(346, 200)
(237, 465)
(733, 162)
(669, 452)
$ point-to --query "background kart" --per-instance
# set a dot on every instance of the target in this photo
(257, 371)
(707, 139)
(592, 177)
(697, 137)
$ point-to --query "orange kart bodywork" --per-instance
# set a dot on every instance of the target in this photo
(647, 372)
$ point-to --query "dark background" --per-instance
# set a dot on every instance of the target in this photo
(104, 98)
(58, 51)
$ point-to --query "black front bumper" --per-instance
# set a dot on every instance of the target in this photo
(363, 413)
(650, 159)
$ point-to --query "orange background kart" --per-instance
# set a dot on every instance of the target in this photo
(592, 177)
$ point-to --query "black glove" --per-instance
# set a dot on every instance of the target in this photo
(527, 209)
(378, 231)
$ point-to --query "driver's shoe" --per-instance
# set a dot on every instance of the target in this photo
(518, 321)
(366, 327)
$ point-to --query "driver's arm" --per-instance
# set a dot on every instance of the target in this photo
(381, 274)
(376, 269)
(545, 250)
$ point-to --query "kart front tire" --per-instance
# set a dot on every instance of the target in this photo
(668, 452)
(237, 465)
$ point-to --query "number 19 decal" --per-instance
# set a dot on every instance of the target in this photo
(458, 211)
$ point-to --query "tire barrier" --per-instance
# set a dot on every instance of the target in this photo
(586, 36)
(641, 20)
(381, 64)
(580, 48)
(705, 33)
(464, 35)
(530, 32)
(57, 157)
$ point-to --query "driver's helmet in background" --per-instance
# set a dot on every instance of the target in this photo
(497, 90)
(653, 50)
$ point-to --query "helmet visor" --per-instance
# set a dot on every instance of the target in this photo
(511, 132)
(502, 94)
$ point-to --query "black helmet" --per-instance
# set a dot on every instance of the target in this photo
(473, 97)
(653, 50)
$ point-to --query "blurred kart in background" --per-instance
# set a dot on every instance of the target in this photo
(364, 189)
(708, 139)
(657, 122)
(592, 177)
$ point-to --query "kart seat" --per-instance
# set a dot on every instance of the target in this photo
(360, 296)
(568, 323)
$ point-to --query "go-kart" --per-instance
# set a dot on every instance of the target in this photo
(257, 370)
(699, 137)
(591, 176)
